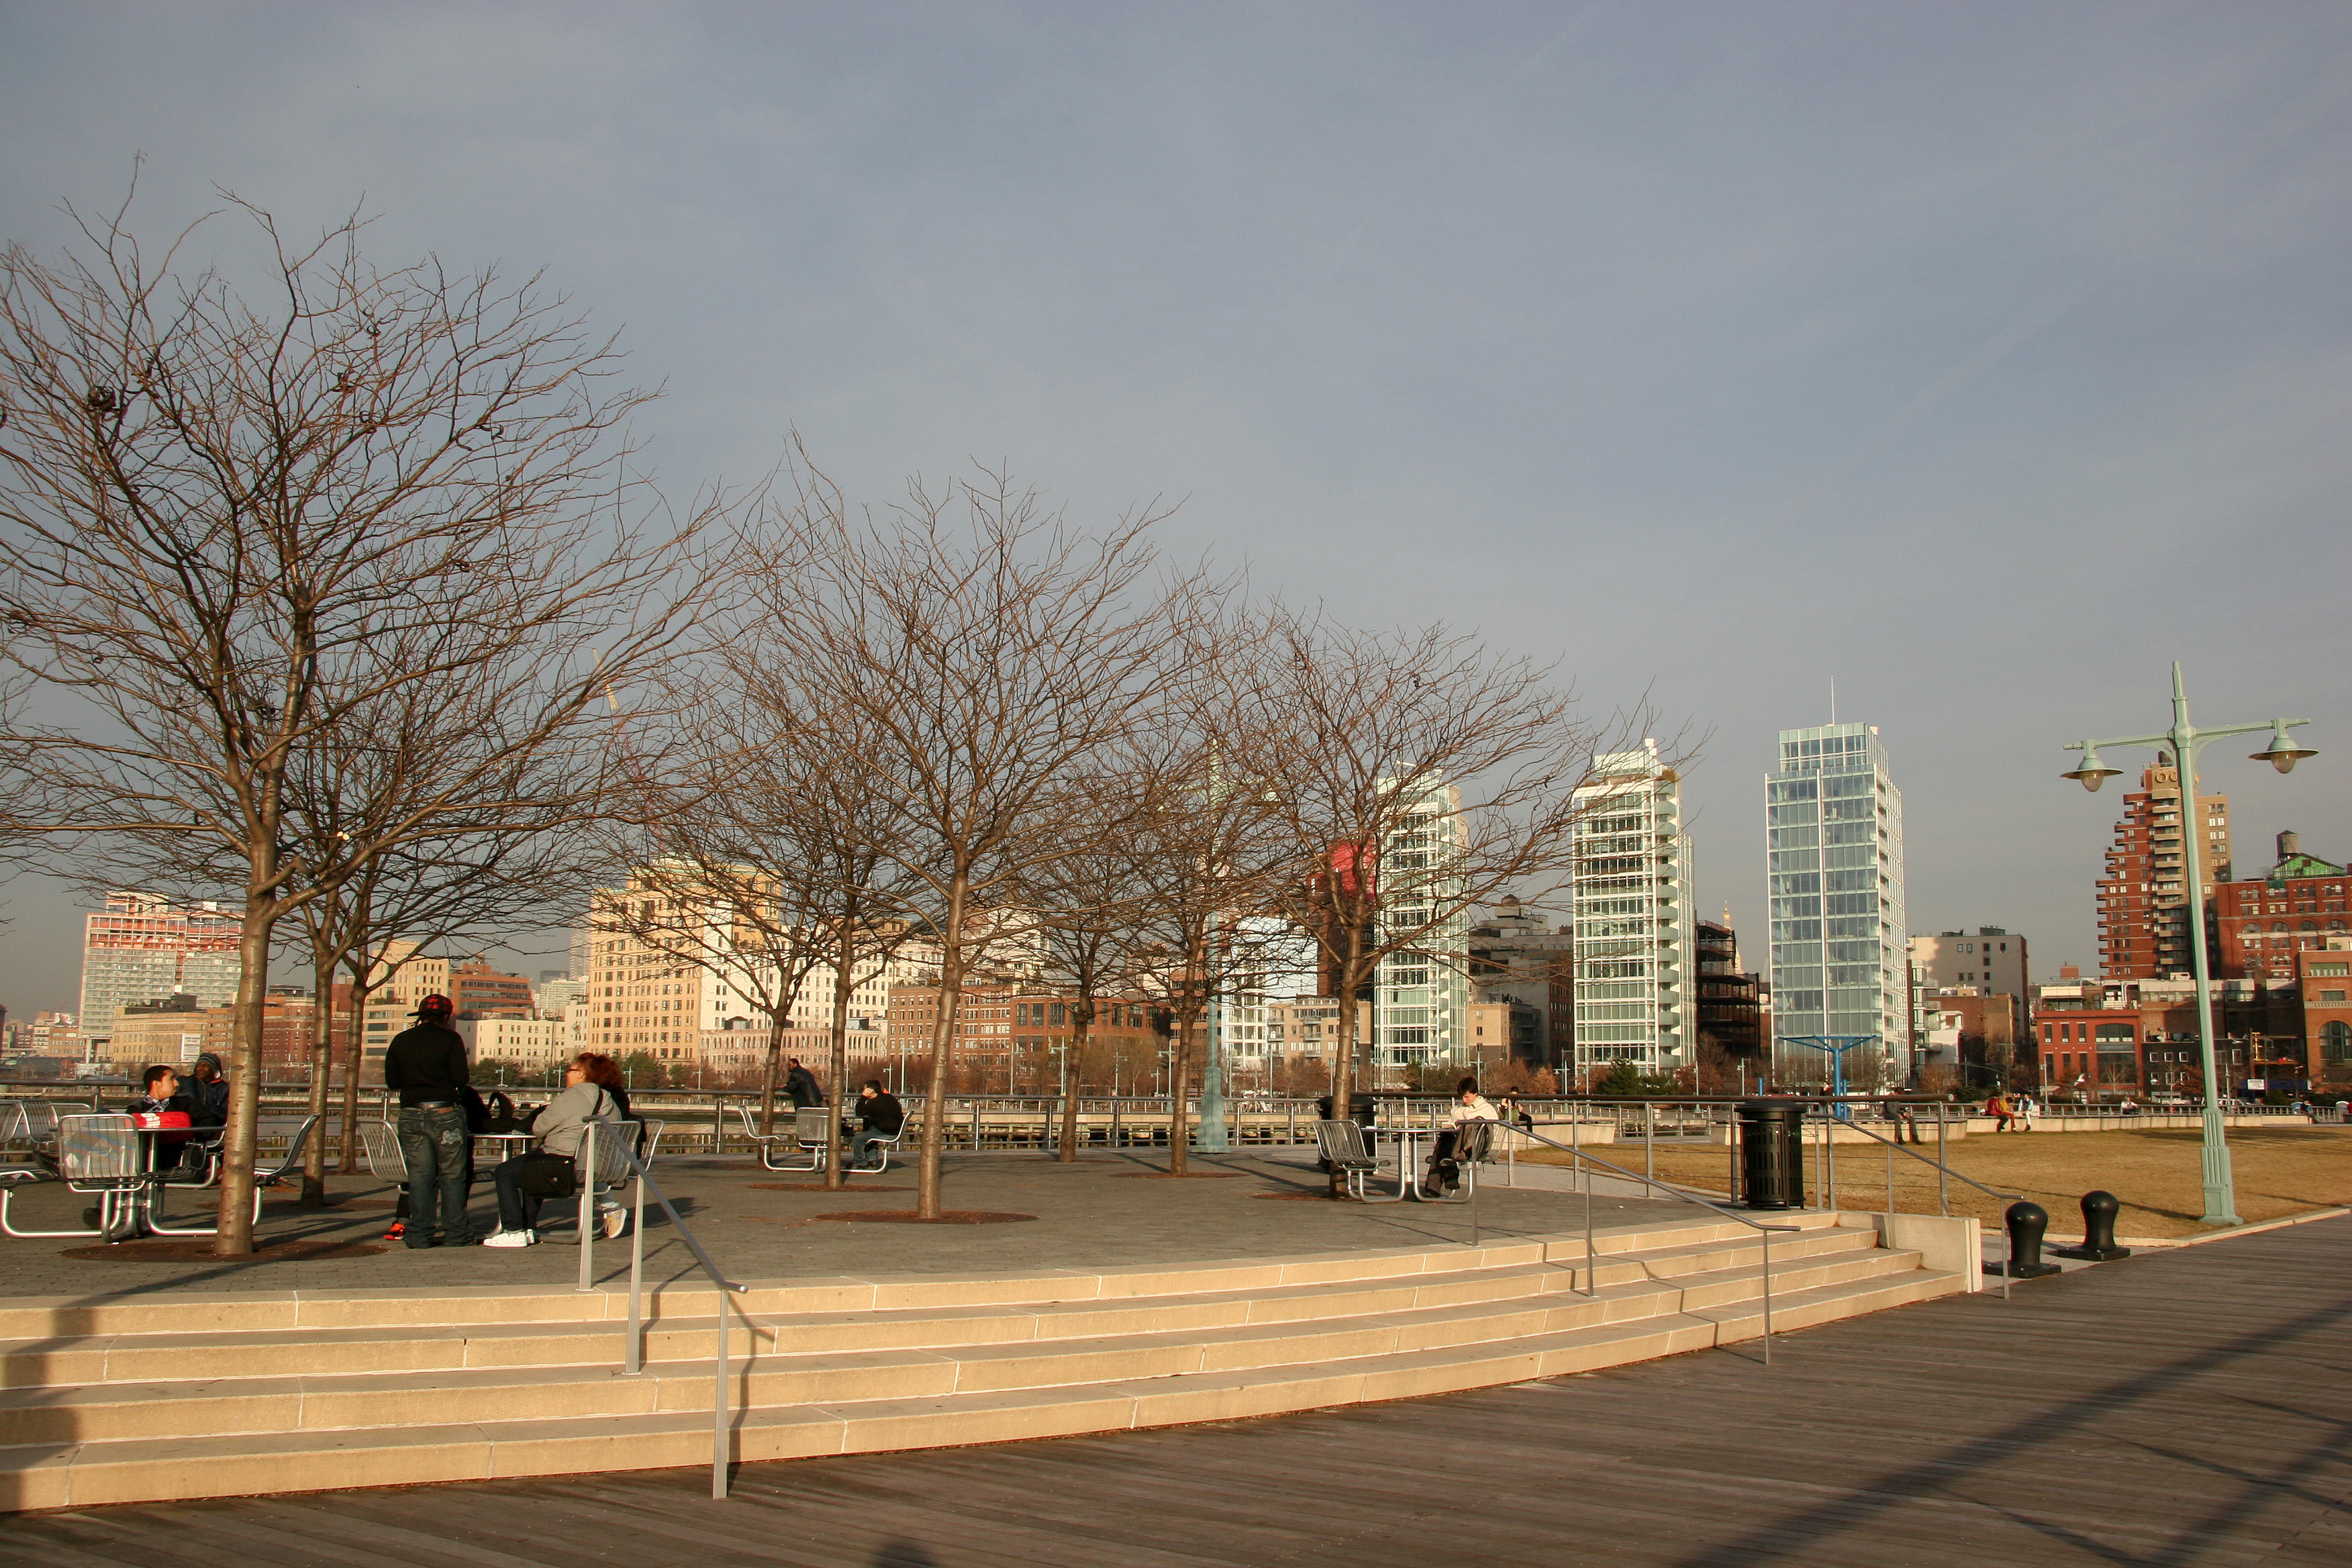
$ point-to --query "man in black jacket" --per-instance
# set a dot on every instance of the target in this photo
(428, 1065)
(801, 1085)
(880, 1116)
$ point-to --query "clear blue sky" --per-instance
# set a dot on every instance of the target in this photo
(1982, 358)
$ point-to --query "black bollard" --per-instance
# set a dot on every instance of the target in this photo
(2027, 1221)
(2098, 1230)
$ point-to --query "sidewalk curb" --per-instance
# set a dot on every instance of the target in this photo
(2164, 1243)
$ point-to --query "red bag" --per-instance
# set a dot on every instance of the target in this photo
(154, 1118)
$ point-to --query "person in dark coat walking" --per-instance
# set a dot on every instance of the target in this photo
(426, 1065)
(802, 1085)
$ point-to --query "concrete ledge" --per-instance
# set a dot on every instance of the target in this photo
(1948, 1244)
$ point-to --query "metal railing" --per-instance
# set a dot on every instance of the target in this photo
(1592, 1259)
(633, 1353)
(1943, 1189)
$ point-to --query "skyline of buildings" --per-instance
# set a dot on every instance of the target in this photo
(1620, 978)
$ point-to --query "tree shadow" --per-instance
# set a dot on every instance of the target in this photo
(902, 1553)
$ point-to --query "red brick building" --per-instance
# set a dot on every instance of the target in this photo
(2324, 979)
(1007, 1037)
(2261, 925)
(2144, 896)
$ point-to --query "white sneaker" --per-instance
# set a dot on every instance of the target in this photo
(616, 1220)
(513, 1238)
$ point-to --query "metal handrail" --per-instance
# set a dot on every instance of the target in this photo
(2009, 1247)
(633, 1358)
(1591, 1269)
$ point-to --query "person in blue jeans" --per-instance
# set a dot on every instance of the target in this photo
(426, 1065)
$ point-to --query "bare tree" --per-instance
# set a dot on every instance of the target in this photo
(1207, 862)
(1418, 777)
(752, 820)
(229, 523)
(972, 671)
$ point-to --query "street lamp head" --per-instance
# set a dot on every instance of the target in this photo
(2091, 775)
(2283, 754)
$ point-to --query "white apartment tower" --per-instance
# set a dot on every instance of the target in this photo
(1636, 930)
(1834, 848)
(1421, 1005)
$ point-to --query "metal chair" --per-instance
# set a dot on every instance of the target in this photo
(604, 1168)
(379, 1146)
(98, 1155)
(883, 1143)
(1473, 1144)
(1342, 1147)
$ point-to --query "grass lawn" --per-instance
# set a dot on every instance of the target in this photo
(2280, 1171)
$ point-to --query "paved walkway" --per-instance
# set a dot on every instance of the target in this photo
(2183, 1408)
(1105, 1210)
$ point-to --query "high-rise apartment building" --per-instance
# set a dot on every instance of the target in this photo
(1833, 851)
(1422, 995)
(141, 948)
(2143, 897)
(1636, 938)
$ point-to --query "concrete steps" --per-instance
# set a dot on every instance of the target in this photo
(279, 1393)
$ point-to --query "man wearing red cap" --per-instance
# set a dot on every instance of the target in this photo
(428, 1065)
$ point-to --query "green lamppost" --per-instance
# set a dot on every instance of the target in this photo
(2186, 740)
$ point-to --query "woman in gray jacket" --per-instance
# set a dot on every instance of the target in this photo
(559, 1128)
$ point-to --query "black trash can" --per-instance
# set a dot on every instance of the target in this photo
(1772, 1153)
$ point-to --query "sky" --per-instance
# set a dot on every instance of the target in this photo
(1975, 360)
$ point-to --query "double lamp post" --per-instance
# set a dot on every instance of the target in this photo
(2185, 741)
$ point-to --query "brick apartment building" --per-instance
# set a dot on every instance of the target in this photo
(2138, 1037)
(2261, 925)
(2144, 896)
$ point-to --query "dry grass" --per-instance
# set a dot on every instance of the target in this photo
(2156, 1174)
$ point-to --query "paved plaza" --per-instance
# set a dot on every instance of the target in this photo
(1107, 1210)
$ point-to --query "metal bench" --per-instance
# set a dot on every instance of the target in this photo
(1341, 1144)
(98, 1155)
(808, 1139)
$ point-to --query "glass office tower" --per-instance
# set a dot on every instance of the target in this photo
(1833, 847)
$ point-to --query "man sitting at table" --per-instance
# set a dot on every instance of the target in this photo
(880, 1116)
(1469, 1105)
(161, 1104)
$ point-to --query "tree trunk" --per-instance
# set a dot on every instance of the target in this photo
(1343, 1051)
(1073, 1058)
(843, 953)
(776, 1026)
(354, 1054)
(1179, 1073)
(323, 1066)
(235, 1213)
(935, 1103)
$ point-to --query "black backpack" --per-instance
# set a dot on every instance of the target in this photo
(495, 1114)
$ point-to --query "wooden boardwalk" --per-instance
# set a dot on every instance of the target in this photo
(2176, 1410)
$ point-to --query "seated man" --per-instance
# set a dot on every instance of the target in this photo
(1469, 1105)
(880, 1116)
(160, 1104)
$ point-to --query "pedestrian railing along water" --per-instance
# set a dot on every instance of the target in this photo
(608, 1161)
